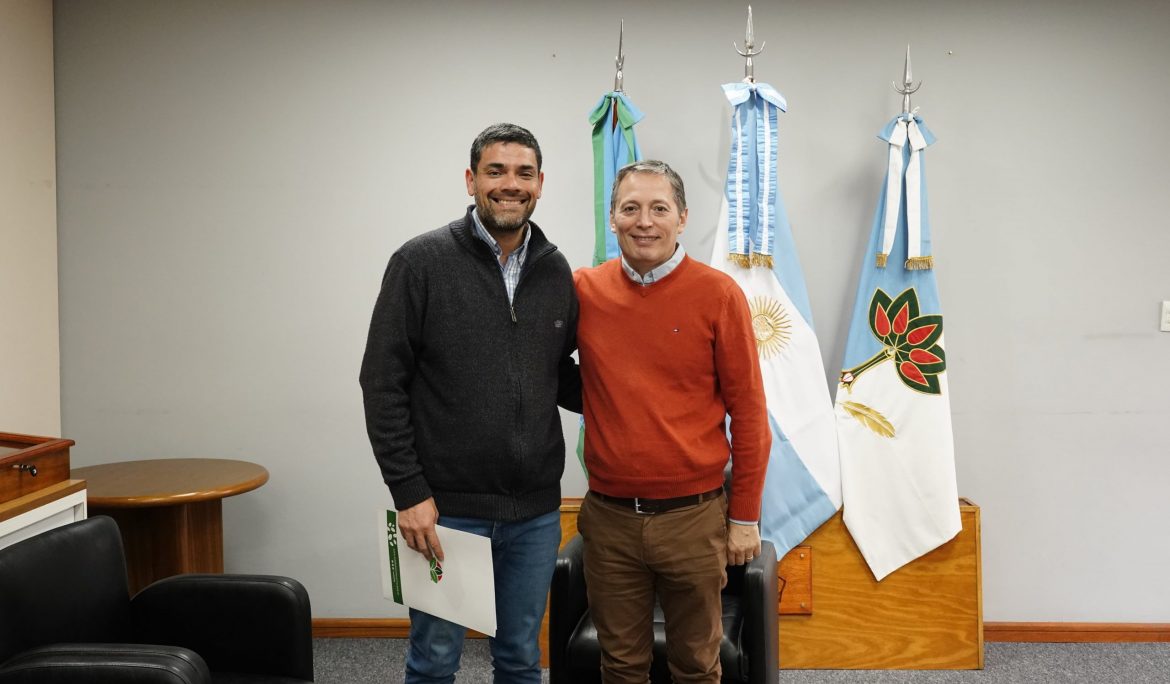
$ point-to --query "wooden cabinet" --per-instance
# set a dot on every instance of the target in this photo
(29, 463)
(36, 493)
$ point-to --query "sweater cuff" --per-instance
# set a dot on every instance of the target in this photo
(410, 492)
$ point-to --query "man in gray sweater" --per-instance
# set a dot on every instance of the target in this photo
(467, 358)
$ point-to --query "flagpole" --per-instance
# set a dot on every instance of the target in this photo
(620, 60)
(907, 88)
(749, 51)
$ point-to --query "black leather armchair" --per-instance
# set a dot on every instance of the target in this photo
(66, 616)
(749, 651)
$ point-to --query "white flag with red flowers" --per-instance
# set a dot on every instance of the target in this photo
(893, 407)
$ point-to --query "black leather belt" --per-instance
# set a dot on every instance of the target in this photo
(652, 506)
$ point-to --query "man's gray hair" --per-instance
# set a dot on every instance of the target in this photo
(654, 166)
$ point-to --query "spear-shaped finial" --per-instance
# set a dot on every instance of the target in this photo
(908, 88)
(749, 51)
(620, 60)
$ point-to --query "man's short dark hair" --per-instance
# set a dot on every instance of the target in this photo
(658, 168)
(503, 133)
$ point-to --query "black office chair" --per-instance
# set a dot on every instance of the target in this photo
(66, 616)
(748, 652)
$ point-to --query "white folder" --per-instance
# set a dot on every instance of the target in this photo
(460, 589)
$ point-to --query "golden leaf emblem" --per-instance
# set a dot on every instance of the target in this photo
(870, 418)
(771, 325)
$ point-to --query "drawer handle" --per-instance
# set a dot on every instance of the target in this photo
(26, 467)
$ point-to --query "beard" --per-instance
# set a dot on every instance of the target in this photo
(495, 222)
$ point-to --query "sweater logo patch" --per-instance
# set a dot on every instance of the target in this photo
(558, 323)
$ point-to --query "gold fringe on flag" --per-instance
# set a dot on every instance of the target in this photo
(920, 263)
(741, 260)
(762, 260)
(881, 260)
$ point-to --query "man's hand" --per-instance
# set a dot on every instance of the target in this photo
(743, 543)
(417, 527)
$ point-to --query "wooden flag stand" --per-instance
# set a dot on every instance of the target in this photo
(927, 615)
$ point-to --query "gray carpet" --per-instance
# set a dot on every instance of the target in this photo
(380, 661)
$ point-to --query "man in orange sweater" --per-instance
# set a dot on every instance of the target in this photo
(667, 353)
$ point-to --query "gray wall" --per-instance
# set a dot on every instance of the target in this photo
(234, 175)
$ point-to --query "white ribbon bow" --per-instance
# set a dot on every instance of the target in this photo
(905, 130)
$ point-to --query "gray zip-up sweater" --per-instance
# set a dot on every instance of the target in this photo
(461, 388)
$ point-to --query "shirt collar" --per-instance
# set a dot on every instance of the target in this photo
(483, 234)
(658, 272)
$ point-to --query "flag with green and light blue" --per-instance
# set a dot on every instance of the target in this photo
(614, 146)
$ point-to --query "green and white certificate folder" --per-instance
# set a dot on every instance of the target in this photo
(461, 589)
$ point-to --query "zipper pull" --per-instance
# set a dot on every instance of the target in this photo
(513, 310)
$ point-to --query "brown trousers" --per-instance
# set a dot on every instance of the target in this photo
(681, 556)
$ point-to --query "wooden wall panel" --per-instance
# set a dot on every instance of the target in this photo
(1078, 632)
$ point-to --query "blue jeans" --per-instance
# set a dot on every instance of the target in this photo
(523, 554)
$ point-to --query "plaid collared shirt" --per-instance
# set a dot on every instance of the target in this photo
(512, 266)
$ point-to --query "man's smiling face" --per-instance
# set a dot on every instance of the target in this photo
(506, 184)
(647, 220)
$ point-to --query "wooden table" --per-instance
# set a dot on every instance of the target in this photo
(170, 511)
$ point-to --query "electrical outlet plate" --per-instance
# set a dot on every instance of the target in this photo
(1166, 316)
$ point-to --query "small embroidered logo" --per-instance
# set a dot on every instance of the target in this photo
(558, 323)
(675, 330)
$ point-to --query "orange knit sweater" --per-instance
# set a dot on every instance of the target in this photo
(661, 366)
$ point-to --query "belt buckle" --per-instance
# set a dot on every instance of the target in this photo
(638, 507)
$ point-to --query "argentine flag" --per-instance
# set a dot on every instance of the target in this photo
(754, 245)
(893, 407)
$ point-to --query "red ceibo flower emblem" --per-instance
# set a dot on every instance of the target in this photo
(909, 338)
